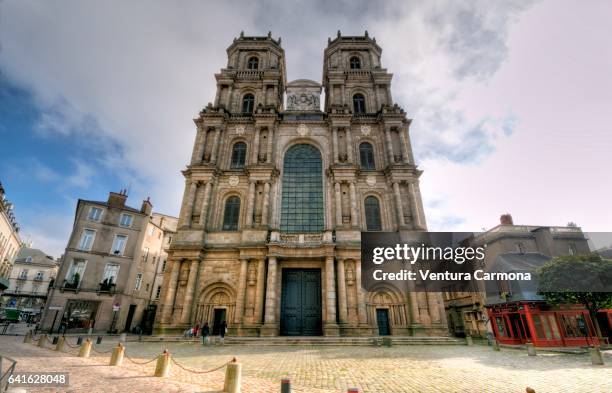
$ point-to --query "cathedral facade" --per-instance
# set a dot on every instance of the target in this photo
(278, 191)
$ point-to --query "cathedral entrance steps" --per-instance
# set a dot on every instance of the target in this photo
(332, 341)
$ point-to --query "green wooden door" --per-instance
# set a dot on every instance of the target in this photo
(301, 302)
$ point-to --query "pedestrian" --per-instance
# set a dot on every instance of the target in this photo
(222, 331)
(205, 334)
(196, 330)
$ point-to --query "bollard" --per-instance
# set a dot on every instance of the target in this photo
(79, 340)
(529, 390)
(352, 390)
(122, 337)
(596, 356)
(27, 339)
(233, 376)
(41, 341)
(469, 340)
(531, 351)
(285, 385)
(495, 345)
(59, 345)
(85, 349)
(99, 340)
(117, 356)
(162, 367)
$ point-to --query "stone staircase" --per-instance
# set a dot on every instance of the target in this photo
(340, 341)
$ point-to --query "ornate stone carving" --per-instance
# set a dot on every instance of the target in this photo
(371, 181)
(349, 273)
(303, 95)
(252, 274)
(240, 129)
(234, 181)
(366, 130)
(302, 129)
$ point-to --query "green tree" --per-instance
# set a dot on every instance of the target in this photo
(578, 279)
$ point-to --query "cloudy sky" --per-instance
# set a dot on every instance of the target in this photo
(509, 100)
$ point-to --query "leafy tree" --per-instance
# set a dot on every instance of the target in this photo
(578, 279)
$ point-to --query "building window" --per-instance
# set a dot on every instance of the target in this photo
(24, 274)
(126, 220)
(95, 213)
(145, 254)
(76, 271)
(248, 103)
(253, 63)
(366, 154)
(355, 63)
(372, 214)
(163, 268)
(138, 282)
(231, 214)
(119, 245)
(302, 207)
(87, 239)
(158, 292)
(520, 247)
(39, 275)
(572, 249)
(110, 274)
(359, 103)
(238, 155)
(28, 259)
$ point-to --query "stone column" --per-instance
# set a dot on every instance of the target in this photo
(266, 204)
(191, 282)
(432, 305)
(241, 291)
(259, 291)
(250, 204)
(416, 211)
(255, 154)
(270, 317)
(349, 145)
(215, 146)
(343, 94)
(205, 202)
(338, 204)
(398, 204)
(405, 154)
(342, 304)
(217, 95)
(270, 145)
(389, 99)
(188, 206)
(414, 303)
(361, 308)
(354, 215)
(198, 150)
(171, 292)
(390, 157)
(376, 97)
(335, 144)
(330, 290)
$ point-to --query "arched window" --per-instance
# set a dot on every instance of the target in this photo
(302, 207)
(253, 63)
(358, 103)
(366, 154)
(355, 63)
(231, 214)
(238, 155)
(248, 102)
(372, 214)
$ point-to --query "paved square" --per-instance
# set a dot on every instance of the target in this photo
(324, 369)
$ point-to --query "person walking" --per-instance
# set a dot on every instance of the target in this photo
(205, 334)
(222, 331)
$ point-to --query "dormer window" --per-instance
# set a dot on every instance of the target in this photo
(355, 63)
(253, 63)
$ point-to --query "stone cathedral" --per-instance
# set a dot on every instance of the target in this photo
(277, 194)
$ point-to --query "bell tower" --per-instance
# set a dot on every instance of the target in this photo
(353, 77)
(255, 76)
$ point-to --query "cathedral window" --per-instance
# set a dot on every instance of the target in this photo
(355, 63)
(231, 214)
(248, 103)
(366, 154)
(302, 207)
(253, 63)
(238, 155)
(359, 103)
(372, 214)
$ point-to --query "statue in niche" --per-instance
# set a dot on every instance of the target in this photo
(252, 274)
(350, 274)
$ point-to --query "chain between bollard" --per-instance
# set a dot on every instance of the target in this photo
(201, 372)
(139, 363)
(70, 345)
(101, 352)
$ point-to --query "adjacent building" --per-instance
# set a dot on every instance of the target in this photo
(10, 242)
(32, 275)
(107, 276)
(277, 191)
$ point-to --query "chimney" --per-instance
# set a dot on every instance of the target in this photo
(117, 199)
(147, 207)
(506, 219)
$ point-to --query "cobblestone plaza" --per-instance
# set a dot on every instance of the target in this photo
(414, 368)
